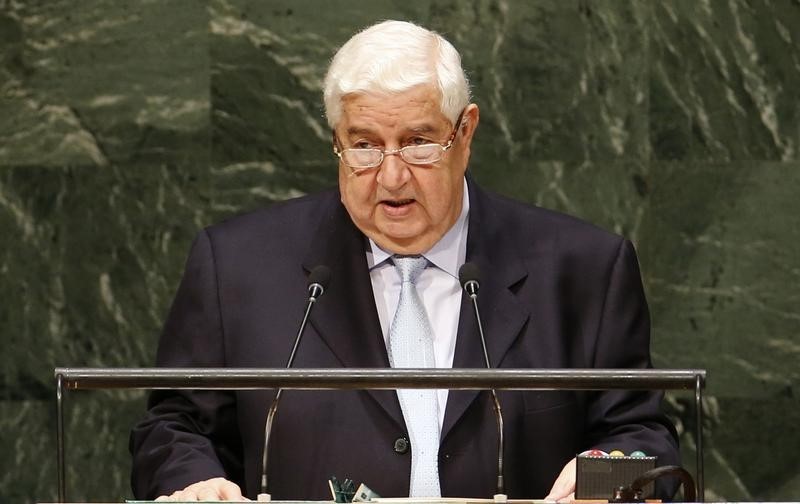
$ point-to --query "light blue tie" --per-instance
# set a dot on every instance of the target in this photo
(411, 346)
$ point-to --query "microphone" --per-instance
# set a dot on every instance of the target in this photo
(318, 281)
(469, 276)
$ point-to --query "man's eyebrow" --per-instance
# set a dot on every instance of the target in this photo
(359, 130)
(423, 128)
(365, 130)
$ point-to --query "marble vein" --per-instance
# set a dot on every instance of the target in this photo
(497, 95)
(300, 107)
(738, 292)
(756, 85)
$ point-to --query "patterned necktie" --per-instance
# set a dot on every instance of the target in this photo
(411, 346)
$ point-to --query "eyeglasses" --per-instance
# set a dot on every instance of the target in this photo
(359, 160)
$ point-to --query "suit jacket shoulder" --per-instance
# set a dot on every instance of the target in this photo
(293, 220)
(524, 228)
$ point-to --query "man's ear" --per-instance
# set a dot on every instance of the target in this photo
(469, 122)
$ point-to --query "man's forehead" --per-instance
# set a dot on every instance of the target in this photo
(413, 111)
(423, 93)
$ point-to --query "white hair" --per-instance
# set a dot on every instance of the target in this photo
(392, 57)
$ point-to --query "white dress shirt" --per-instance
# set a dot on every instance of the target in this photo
(438, 287)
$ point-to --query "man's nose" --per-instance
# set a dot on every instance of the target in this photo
(393, 172)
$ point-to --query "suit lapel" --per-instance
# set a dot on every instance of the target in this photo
(345, 317)
(503, 315)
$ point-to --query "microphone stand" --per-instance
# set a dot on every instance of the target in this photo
(318, 280)
(468, 274)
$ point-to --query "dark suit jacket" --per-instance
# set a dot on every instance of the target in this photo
(556, 292)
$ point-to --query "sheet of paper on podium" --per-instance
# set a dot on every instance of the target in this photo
(454, 500)
(382, 500)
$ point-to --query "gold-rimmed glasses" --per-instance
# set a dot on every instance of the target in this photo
(359, 160)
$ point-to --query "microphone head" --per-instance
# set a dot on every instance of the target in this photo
(318, 279)
(469, 275)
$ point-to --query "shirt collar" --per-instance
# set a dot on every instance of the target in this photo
(447, 254)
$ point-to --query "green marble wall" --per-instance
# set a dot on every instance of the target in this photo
(127, 125)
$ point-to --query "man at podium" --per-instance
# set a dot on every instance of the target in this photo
(556, 292)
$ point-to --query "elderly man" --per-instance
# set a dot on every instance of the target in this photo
(557, 293)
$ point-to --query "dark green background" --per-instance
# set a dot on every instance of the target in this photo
(127, 126)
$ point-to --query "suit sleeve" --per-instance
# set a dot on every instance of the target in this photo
(629, 420)
(188, 436)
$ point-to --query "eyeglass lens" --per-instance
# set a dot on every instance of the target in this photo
(415, 154)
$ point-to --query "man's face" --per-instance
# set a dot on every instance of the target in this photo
(404, 208)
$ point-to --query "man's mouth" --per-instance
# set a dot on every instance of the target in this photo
(398, 203)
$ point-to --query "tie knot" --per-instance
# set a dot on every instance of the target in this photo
(409, 267)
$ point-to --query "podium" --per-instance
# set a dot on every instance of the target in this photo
(376, 379)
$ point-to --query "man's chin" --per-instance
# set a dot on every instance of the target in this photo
(404, 243)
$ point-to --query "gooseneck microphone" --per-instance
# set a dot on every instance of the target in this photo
(469, 276)
(318, 281)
